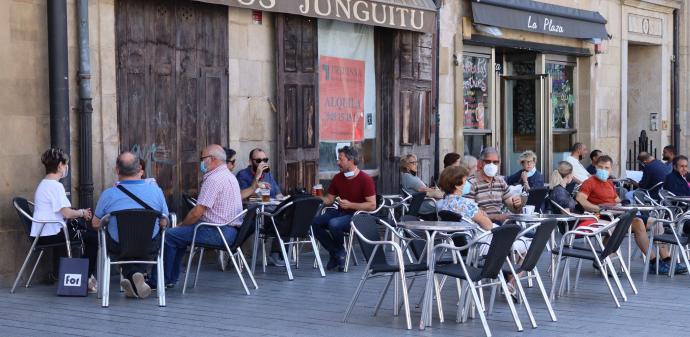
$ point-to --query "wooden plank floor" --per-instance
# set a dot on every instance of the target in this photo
(314, 306)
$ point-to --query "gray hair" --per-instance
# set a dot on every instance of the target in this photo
(470, 162)
(527, 156)
(565, 168)
(350, 153)
(487, 151)
(128, 164)
(217, 152)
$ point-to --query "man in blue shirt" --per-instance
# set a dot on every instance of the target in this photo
(257, 173)
(675, 181)
(129, 172)
(654, 172)
(593, 156)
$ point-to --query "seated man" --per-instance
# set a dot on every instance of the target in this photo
(354, 190)
(577, 151)
(129, 172)
(653, 173)
(489, 190)
(258, 174)
(598, 190)
(593, 156)
(219, 202)
(675, 181)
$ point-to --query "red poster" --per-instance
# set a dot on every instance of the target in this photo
(341, 99)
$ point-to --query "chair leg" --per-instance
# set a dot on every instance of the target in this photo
(626, 271)
(614, 275)
(106, 283)
(198, 267)
(608, 283)
(160, 281)
(21, 270)
(477, 302)
(383, 294)
(286, 258)
(356, 295)
(237, 269)
(189, 267)
(554, 279)
(263, 255)
(348, 248)
(577, 273)
(249, 271)
(406, 299)
(33, 270)
(524, 299)
(506, 292)
(221, 260)
(543, 294)
(317, 256)
(439, 301)
(648, 256)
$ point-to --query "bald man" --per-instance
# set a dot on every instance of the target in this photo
(219, 202)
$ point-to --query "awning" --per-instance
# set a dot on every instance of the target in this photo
(415, 15)
(538, 17)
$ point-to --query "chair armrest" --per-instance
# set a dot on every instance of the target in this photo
(173, 220)
(274, 213)
(465, 247)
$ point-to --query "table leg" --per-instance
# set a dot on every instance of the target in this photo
(255, 247)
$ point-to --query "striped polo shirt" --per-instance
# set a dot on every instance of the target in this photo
(490, 196)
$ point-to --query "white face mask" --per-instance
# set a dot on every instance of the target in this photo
(491, 170)
(64, 174)
(349, 174)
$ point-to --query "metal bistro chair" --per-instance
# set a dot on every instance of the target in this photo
(600, 254)
(134, 228)
(672, 235)
(234, 251)
(367, 231)
(300, 214)
(488, 275)
(24, 210)
(222, 260)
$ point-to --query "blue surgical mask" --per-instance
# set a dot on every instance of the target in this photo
(202, 167)
(466, 188)
(531, 172)
(602, 175)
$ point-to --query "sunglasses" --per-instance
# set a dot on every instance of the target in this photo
(258, 161)
(495, 162)
(204, 157)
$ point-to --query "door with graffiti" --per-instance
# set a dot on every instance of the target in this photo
(171, 87)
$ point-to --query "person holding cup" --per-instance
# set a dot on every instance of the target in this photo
(258, 176)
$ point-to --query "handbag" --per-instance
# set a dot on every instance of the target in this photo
(73, 277)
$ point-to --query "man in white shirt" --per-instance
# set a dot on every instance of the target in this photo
(577, 152)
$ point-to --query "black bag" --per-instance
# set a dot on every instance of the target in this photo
(73, 277)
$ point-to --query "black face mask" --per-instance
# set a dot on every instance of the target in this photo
(665, 158)
(580, 157)
(414, 173)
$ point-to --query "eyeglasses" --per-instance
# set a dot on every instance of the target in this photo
(258, 161)
(231, 161)
(412, 162)
(495, 162)
(204, 157)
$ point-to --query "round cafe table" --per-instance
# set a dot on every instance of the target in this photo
(430, 229)
(679, 198)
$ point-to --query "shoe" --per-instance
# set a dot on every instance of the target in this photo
(127, 288)
(664, 267)
(680, 269)
(275, 260)
(341, 262)
(332, 263)
(143, 289)
(93, 285)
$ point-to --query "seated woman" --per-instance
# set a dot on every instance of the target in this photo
(410, 182)
(452, 180)
(51, 203)
(561, 185)
(527, 176)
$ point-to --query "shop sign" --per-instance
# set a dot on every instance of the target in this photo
(341, 99)
(390, 13)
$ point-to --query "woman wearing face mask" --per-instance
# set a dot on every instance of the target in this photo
(51, 203)
(527, 176)
(452, 181)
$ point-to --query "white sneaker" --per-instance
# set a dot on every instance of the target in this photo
(127, 288)
(143, 289)
(93, 285)
(275, 260)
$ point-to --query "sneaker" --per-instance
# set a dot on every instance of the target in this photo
(143, 289)
(127, 288)
(275, 260)
(664, 267)
(332, 263)
(681, 269)
(341, 262)
(93, 285)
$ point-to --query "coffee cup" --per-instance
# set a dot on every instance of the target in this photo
(529, 209)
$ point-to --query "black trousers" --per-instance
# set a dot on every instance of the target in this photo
(89, 237)
(130, 269)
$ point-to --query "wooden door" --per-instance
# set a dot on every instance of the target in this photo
(171, 87)
(405, 65)
(297, 97)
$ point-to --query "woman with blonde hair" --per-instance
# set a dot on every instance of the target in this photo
(410, 182)
(527, 176)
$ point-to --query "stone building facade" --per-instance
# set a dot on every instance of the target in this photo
(608, 111)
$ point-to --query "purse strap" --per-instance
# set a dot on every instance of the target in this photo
(134, 197)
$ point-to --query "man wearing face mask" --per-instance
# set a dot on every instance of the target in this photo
(489, 190)
(599, 190)
(353, 190)
(258, 173)
(528, 176)
(577, 152)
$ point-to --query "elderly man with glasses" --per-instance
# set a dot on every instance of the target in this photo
(489, 190)
(258, 173)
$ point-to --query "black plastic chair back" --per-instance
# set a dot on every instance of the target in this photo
(641, 197)
(417, 246)
(536, 248)
(134, 227)
(416, 203)
(303, 212)
(537, 196)
(26, 207)
(446, 215)
(367, 225)
(618, 234)
(501, 245)
(246, 229)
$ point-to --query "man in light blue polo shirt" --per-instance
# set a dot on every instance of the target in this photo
(129, 173)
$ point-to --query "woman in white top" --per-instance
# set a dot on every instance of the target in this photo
(51, 203)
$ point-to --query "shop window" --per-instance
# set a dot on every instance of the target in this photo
(476, 71)
(562, 104)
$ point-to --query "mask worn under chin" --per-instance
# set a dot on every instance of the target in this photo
(531, 172)
(491, 170)
(202, 167)
(602, 175)
(349, 174)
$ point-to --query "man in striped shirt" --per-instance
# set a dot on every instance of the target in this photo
(489, 190)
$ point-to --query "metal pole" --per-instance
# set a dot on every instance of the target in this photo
(437, 114)
(675, 81)
(85, 108)
(57, 79)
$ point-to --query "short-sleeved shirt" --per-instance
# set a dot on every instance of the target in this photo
(599, 192)
(490, 196)
(245, 178)
(465, 207)
(355, 190)
(113, 199)
(49, 199)
(220, 194)
(412, 183)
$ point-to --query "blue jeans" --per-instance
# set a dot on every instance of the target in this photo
(336, 222)
(176, 242)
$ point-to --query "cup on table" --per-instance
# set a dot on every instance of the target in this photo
(529, 209)
(317, 190)
(265, 194)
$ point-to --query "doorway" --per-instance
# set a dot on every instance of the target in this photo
(645, 100)
(172, 83)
